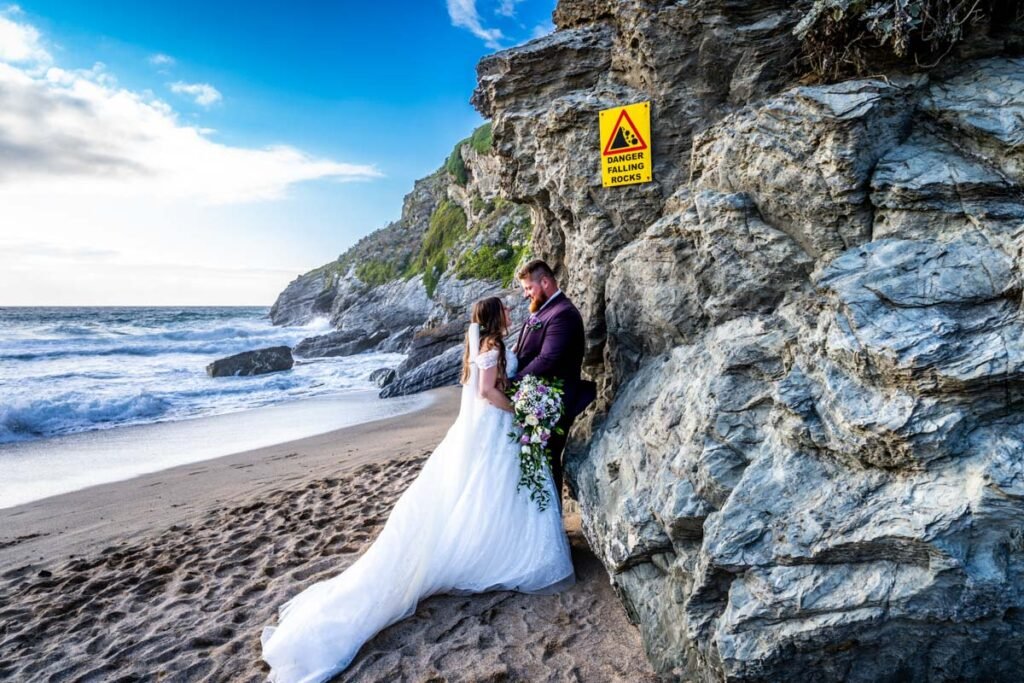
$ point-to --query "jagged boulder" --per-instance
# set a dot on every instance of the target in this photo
(343, 343)
(257, 362)
(430, 342)
(440, 371)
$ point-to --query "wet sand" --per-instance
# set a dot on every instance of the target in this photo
(171, 576)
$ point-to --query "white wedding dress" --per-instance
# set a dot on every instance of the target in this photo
(460, 527)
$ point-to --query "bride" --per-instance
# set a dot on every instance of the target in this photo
(460, 527)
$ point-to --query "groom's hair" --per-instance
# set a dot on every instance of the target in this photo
(534, 270)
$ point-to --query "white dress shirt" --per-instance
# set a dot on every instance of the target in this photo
(550, 299)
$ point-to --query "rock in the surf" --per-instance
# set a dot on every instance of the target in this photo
(257, 362)
(382, 376)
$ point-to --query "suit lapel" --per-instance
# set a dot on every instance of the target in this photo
(543, 316)
(519, 341)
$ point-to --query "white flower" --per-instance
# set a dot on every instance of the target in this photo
(525, 449)
(532, 420)
(535, 438)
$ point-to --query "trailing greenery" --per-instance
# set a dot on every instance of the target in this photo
(456, 166)
(481, 140)
(498, 260)
(491, 263)
(377, 272)
(847, 37)
(447, 225)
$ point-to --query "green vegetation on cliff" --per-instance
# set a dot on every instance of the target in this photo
(377, 272)
(509, 227)
(481, 140)
(435, 235)
(447, 225)
(491, 263)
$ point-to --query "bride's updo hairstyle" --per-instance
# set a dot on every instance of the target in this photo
(490, 314)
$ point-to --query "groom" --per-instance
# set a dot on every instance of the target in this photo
(551, 345)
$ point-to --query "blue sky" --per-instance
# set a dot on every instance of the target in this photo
(208, 152)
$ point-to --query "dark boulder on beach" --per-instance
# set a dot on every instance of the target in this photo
(257, 362)
(442, 370)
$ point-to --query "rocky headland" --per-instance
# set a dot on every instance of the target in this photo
(408, 287)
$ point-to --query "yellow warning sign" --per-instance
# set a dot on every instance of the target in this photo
(626, 145)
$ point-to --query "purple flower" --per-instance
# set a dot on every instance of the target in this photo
(524, 439)
(542, 389)
(534, 322)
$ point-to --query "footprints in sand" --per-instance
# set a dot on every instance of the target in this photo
(20, 539)
(189, 604)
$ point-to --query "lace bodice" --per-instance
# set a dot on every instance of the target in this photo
(488, 359)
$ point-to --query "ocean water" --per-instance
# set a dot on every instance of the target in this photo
(72, 370)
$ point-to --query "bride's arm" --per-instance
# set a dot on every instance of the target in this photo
(489, 390)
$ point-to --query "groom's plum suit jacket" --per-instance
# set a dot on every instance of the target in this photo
(555, 350)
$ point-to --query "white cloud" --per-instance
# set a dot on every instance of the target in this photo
(74, 133)
(107, 195)
(203, 93)
(463, 14)
(160, 59)
(507, 8)
(19, 42)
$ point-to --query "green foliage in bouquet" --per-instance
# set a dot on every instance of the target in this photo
(537, 407)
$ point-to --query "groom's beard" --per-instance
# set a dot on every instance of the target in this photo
(537, 301)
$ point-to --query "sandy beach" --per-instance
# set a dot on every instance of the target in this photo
(170, 576)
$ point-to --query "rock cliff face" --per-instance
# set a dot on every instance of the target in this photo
(408, 286)
(808, 456)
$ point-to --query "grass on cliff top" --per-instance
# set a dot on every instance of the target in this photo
(481, 140)
(850, 37)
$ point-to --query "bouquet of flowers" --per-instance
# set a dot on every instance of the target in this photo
(538, 407)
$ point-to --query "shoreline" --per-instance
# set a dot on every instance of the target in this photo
(173, 574)
(32, 532)
(42, 468)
